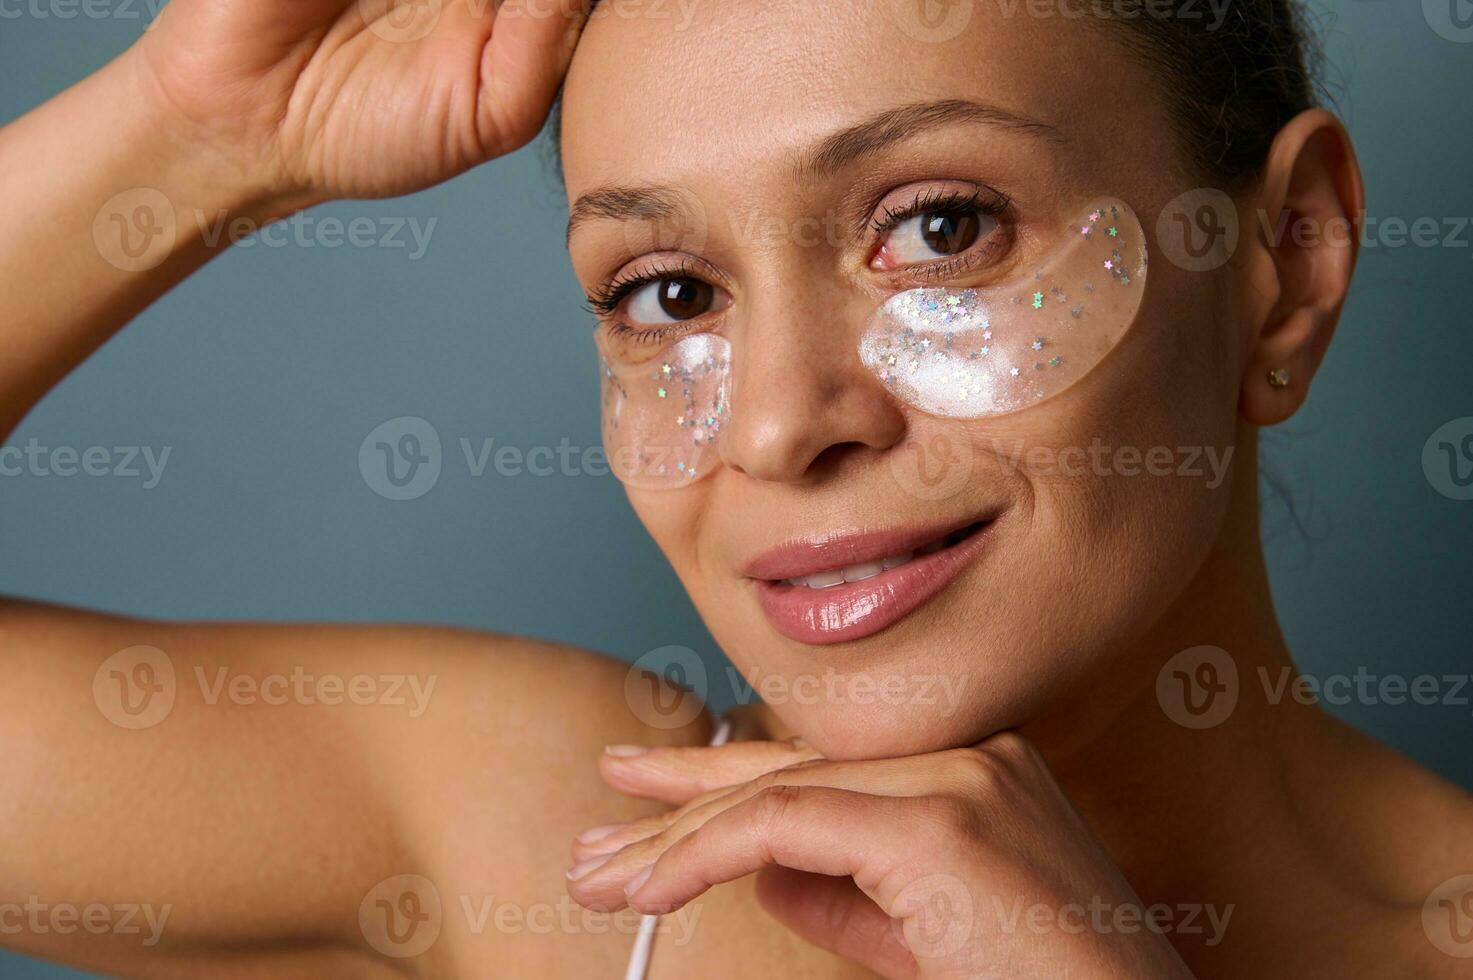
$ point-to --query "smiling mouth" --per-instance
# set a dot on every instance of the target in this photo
(864, 571)
(829, 591)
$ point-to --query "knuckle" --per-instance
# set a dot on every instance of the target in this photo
(1000, 766)
(1011, 747)
(767, 780)
(950, 816)
(801, 766)
(701, 800)
(800, 747)
(776, 802)
(978, 772)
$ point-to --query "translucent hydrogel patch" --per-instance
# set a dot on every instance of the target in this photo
(663, 412)
(968, 353)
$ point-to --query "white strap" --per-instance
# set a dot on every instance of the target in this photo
(644, 942)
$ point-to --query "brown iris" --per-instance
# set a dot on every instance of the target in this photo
(950, 232)
(685, 299)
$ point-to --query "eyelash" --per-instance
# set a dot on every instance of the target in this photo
(992, 203)
(606, 298)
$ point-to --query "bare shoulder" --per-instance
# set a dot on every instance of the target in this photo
(1412, 832)
(419, 786)
(494, 778)
(415, 790)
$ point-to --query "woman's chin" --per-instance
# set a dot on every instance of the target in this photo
(889, 731)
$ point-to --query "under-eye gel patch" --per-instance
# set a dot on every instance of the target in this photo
(662, 410)
(969, 353)
(963, 353)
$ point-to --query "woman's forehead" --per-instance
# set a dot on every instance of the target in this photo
(664, 93)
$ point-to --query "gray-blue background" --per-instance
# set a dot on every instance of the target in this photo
(266, 371)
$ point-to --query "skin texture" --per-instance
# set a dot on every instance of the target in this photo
(1089, 584)
(1056, 778)
(1091, 563)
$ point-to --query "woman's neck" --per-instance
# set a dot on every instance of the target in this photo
(1225, 799)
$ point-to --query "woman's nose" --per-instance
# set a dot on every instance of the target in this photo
(800, 396)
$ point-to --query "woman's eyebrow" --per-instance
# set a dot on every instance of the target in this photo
(648, 202)
(884, 129)
(645, 202)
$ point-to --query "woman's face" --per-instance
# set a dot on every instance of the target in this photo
(747, 159)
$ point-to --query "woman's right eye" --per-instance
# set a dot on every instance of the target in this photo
(671, 301)
(938, 234)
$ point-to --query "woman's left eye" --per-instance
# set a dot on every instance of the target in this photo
(935, 234)
(672, 300)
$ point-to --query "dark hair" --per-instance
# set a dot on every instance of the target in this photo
(1232, 81)
(1232, 85)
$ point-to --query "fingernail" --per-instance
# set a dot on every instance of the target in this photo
(595, 834)
(624, 751)
(637, 882)
(584, 868)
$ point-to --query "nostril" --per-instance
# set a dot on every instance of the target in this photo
(837, 457)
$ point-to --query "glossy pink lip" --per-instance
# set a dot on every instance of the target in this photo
(857, 609)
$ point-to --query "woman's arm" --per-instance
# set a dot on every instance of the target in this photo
(245, 110)
(211, 826)
(174, 797)
(100, 192)
(226, 799)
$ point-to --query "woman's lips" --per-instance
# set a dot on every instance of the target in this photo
(881, 596)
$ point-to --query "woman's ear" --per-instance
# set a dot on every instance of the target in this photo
(1306, 219)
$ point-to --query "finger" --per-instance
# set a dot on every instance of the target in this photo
(531, 45)
(884, 777)
(678, 775)
(615, 837)
(896, 849)
(807, 828)
(833, 914)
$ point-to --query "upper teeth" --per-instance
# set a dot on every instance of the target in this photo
(854, 573)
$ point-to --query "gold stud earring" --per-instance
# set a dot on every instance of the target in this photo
(1278, 378)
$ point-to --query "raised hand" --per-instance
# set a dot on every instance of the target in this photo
(323, 99)
(911, 867)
